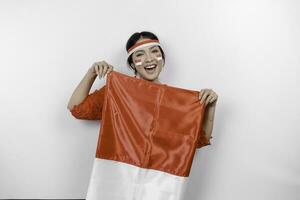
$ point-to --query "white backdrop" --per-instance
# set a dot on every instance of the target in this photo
(246, 51)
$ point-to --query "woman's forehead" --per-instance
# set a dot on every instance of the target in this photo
(147, 48)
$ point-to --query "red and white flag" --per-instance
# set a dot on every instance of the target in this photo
(147, 141)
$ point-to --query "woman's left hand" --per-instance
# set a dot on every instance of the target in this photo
(208, 96)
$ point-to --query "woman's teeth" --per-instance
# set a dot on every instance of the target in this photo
(150, 68)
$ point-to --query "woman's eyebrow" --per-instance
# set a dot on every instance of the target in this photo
(144, 50)
(153, 47)
(140, 51)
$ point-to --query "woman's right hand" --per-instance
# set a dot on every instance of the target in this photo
(100, 69)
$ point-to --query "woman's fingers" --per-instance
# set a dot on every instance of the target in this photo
(108, 66)
(105, 68)
(201, 94)
(204, 93)
(209, 99)
(109, 69)
(207, 96)
(102, 68)
(96, 69)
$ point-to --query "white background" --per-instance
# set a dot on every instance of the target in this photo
(246, 51)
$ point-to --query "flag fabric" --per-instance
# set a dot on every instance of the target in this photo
(147, 140)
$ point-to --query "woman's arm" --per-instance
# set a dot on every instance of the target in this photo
(209, 119)
(209, 97)
(83, 89)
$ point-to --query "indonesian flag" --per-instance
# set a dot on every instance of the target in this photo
(147, 140)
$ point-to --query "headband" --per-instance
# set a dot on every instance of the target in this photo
(139, 45)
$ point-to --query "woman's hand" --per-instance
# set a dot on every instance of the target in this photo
(208, 96)
(100, 69)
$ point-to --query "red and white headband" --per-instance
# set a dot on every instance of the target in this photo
(140, 45)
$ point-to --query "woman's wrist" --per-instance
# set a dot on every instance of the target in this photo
(90, 74)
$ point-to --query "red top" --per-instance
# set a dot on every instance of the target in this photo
(146, 124)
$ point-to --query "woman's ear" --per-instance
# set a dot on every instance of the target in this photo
(133, 67)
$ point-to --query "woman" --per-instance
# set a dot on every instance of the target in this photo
(117, 180)
(147, 63)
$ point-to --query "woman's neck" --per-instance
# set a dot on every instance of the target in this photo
(155, 80)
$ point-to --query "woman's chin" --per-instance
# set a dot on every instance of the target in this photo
(150, 77)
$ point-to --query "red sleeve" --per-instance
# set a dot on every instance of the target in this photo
(91, 107)
(203, 139)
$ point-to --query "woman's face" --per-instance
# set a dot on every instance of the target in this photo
(148, 62)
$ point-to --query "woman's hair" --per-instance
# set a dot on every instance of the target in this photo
(134, 38)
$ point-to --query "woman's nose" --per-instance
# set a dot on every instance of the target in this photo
(149, 57)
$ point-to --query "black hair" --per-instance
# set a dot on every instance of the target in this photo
(134, 38)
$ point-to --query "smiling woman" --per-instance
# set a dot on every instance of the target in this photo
(149, 130)
(145, 56)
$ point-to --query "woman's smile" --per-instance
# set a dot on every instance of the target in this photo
(150, 68)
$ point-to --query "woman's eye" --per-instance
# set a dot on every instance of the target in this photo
(138, 54)
(155, 51)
